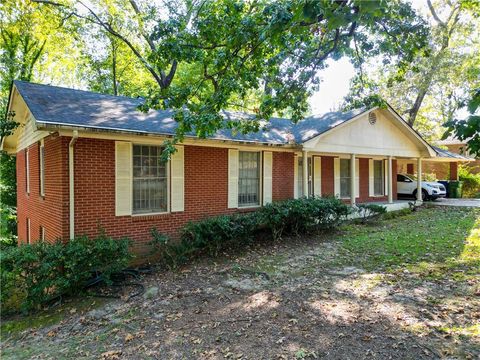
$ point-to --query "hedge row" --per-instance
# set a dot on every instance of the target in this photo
(212, 235)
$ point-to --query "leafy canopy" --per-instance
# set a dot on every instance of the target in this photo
(261, 57)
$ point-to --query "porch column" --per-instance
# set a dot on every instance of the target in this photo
(419, 179)
(352, 179)
(305, 173)
(390, 180)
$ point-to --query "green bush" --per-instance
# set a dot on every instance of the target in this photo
(42, 271)
(217, 233)
(471, 182)
(208, 236)
(370, 212)
(213, 235)
(303, 215)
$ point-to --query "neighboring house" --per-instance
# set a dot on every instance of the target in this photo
(459, 147)
(87, 160)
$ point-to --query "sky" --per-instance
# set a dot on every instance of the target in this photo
(335, 83)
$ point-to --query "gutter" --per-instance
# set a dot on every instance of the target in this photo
(71, 187)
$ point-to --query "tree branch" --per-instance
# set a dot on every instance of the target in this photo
(434, 13)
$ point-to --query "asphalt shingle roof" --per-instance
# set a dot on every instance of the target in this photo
(448, 154)
(77, 108)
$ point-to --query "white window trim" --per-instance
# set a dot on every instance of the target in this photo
(41, 157)
(167, 168)
(260, 183)
(340, 177)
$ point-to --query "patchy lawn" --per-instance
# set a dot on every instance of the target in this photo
(406, 288)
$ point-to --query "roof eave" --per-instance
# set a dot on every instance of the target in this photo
(51, 126)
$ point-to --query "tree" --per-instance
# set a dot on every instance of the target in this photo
(438, 80)
(29, 40)
(207, 56)
(468, 130)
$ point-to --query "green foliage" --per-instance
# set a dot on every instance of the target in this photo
(208, 236)
(468, 130)
(437, 80)
(37, 273)
(302, 215)
(213, 235)
(261, 57)
(471, 182)
(370, 212)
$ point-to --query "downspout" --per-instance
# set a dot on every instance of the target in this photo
(71, 187)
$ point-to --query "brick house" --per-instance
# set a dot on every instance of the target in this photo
(88, 160)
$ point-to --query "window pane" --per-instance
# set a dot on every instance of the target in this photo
(149, 180)
(248, 178)
(345, 178)
(300, 177)
(378, 177)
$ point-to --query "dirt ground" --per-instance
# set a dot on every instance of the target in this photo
(296, 300)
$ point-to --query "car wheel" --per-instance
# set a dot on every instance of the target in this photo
(424, 195)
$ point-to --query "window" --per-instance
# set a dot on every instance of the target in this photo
(150, 185)
(248, 178)
(345, 177)
(27, 172)
(300, 177)
(42, 233)
(378, 177)
(28, 231)
(42, 169)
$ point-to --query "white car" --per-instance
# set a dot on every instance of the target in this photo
(407, 185)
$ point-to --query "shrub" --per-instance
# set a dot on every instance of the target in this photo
(471, 182)
(369, 212)
(212, 235)
(303, 215)
(208, 236)
(43, 271)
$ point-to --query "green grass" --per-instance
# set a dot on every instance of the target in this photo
(429, 241)
(40, 319)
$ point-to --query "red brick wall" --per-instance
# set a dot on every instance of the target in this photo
(206, 190)
(328, 180)
(282, 176)
(50, 211)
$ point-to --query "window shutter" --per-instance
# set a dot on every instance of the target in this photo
(267, 177)
(177, 179)
(371, 179)
(357, 178)
(385, 172)
(295, 177)
(336, 176)
(232, 178)
(123, 178)
(317, 176)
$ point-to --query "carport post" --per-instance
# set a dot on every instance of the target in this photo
(352, 179)
(390, 180)
(419, 179)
